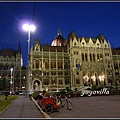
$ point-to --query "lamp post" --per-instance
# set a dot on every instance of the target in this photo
(29, 28)
(11, 82)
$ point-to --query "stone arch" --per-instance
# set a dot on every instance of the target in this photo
(37, 85)
(94, 78)
(101, 78)
(77, 61)
(85, 73)
(86, 78)
(101, 73)
(37, 63)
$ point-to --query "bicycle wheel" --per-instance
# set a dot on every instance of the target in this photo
(49, 108)
(69, 105)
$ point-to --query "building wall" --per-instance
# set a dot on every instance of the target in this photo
(83, 62)
(116, 66)
(12, 73)
(90, 62)
(94, 58)
(49, 68)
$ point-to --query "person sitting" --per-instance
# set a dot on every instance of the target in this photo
(41, 95)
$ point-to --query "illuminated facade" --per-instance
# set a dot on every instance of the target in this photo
(79, 62)
(72, 63)
(49, 67)
(93, 55)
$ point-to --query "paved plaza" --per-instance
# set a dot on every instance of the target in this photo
(91, 107)
(83, 107)
(22, 107)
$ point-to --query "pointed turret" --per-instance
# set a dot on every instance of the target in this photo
(19, 47)
(59, 31)
(59, 40)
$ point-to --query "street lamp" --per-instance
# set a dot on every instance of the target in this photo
(29, 28)
(11, 82)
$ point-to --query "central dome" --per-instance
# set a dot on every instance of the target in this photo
(59, 40)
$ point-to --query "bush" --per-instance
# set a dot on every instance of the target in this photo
(63, 91)
(79, 93)
(35, 95)
(94, 87)
(70, 93)
(57, 94)
(76, 89)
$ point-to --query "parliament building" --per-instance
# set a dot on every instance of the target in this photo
(72, 63)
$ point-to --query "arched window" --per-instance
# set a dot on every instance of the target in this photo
(86, 57)
(77, 73)
(83, 44)
(105, 46)
(60, 81)
(77, 81)
(60, 72)
(74, 43)
(7, 58)
(67, 81)
(90, 57)
(54, 82)
(101, 57)
(93, 57)
(46, 64)
(97, 57)
(82, 57)
(66, 66)
(37, 49)
(46, 81)
(33, 65)
(59, 65)
(53, 64)
(53, 72)
(1, 66)
(6, 66)
(37, 64)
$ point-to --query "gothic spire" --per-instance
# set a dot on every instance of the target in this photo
(59, 31)
(19, 47)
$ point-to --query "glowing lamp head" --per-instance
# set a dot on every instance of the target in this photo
(46, 89)
(27, 27)
(11, 69)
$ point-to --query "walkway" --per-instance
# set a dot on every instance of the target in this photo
(23, 107)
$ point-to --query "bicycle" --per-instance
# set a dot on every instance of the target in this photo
(64, 101)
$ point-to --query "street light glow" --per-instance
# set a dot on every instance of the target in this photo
(27, 27)
(11, 74)
(11, 69)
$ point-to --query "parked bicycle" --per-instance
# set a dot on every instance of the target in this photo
(62, 102)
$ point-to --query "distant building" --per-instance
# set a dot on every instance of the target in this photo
(12, 71)
(116, 66)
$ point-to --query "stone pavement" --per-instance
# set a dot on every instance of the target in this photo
(94, 107)
(24, 107)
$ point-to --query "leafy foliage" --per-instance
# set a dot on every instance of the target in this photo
(35, 95)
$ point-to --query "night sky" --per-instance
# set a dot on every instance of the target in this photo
(87, 19)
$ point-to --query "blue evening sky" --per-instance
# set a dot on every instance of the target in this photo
(87, 19)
